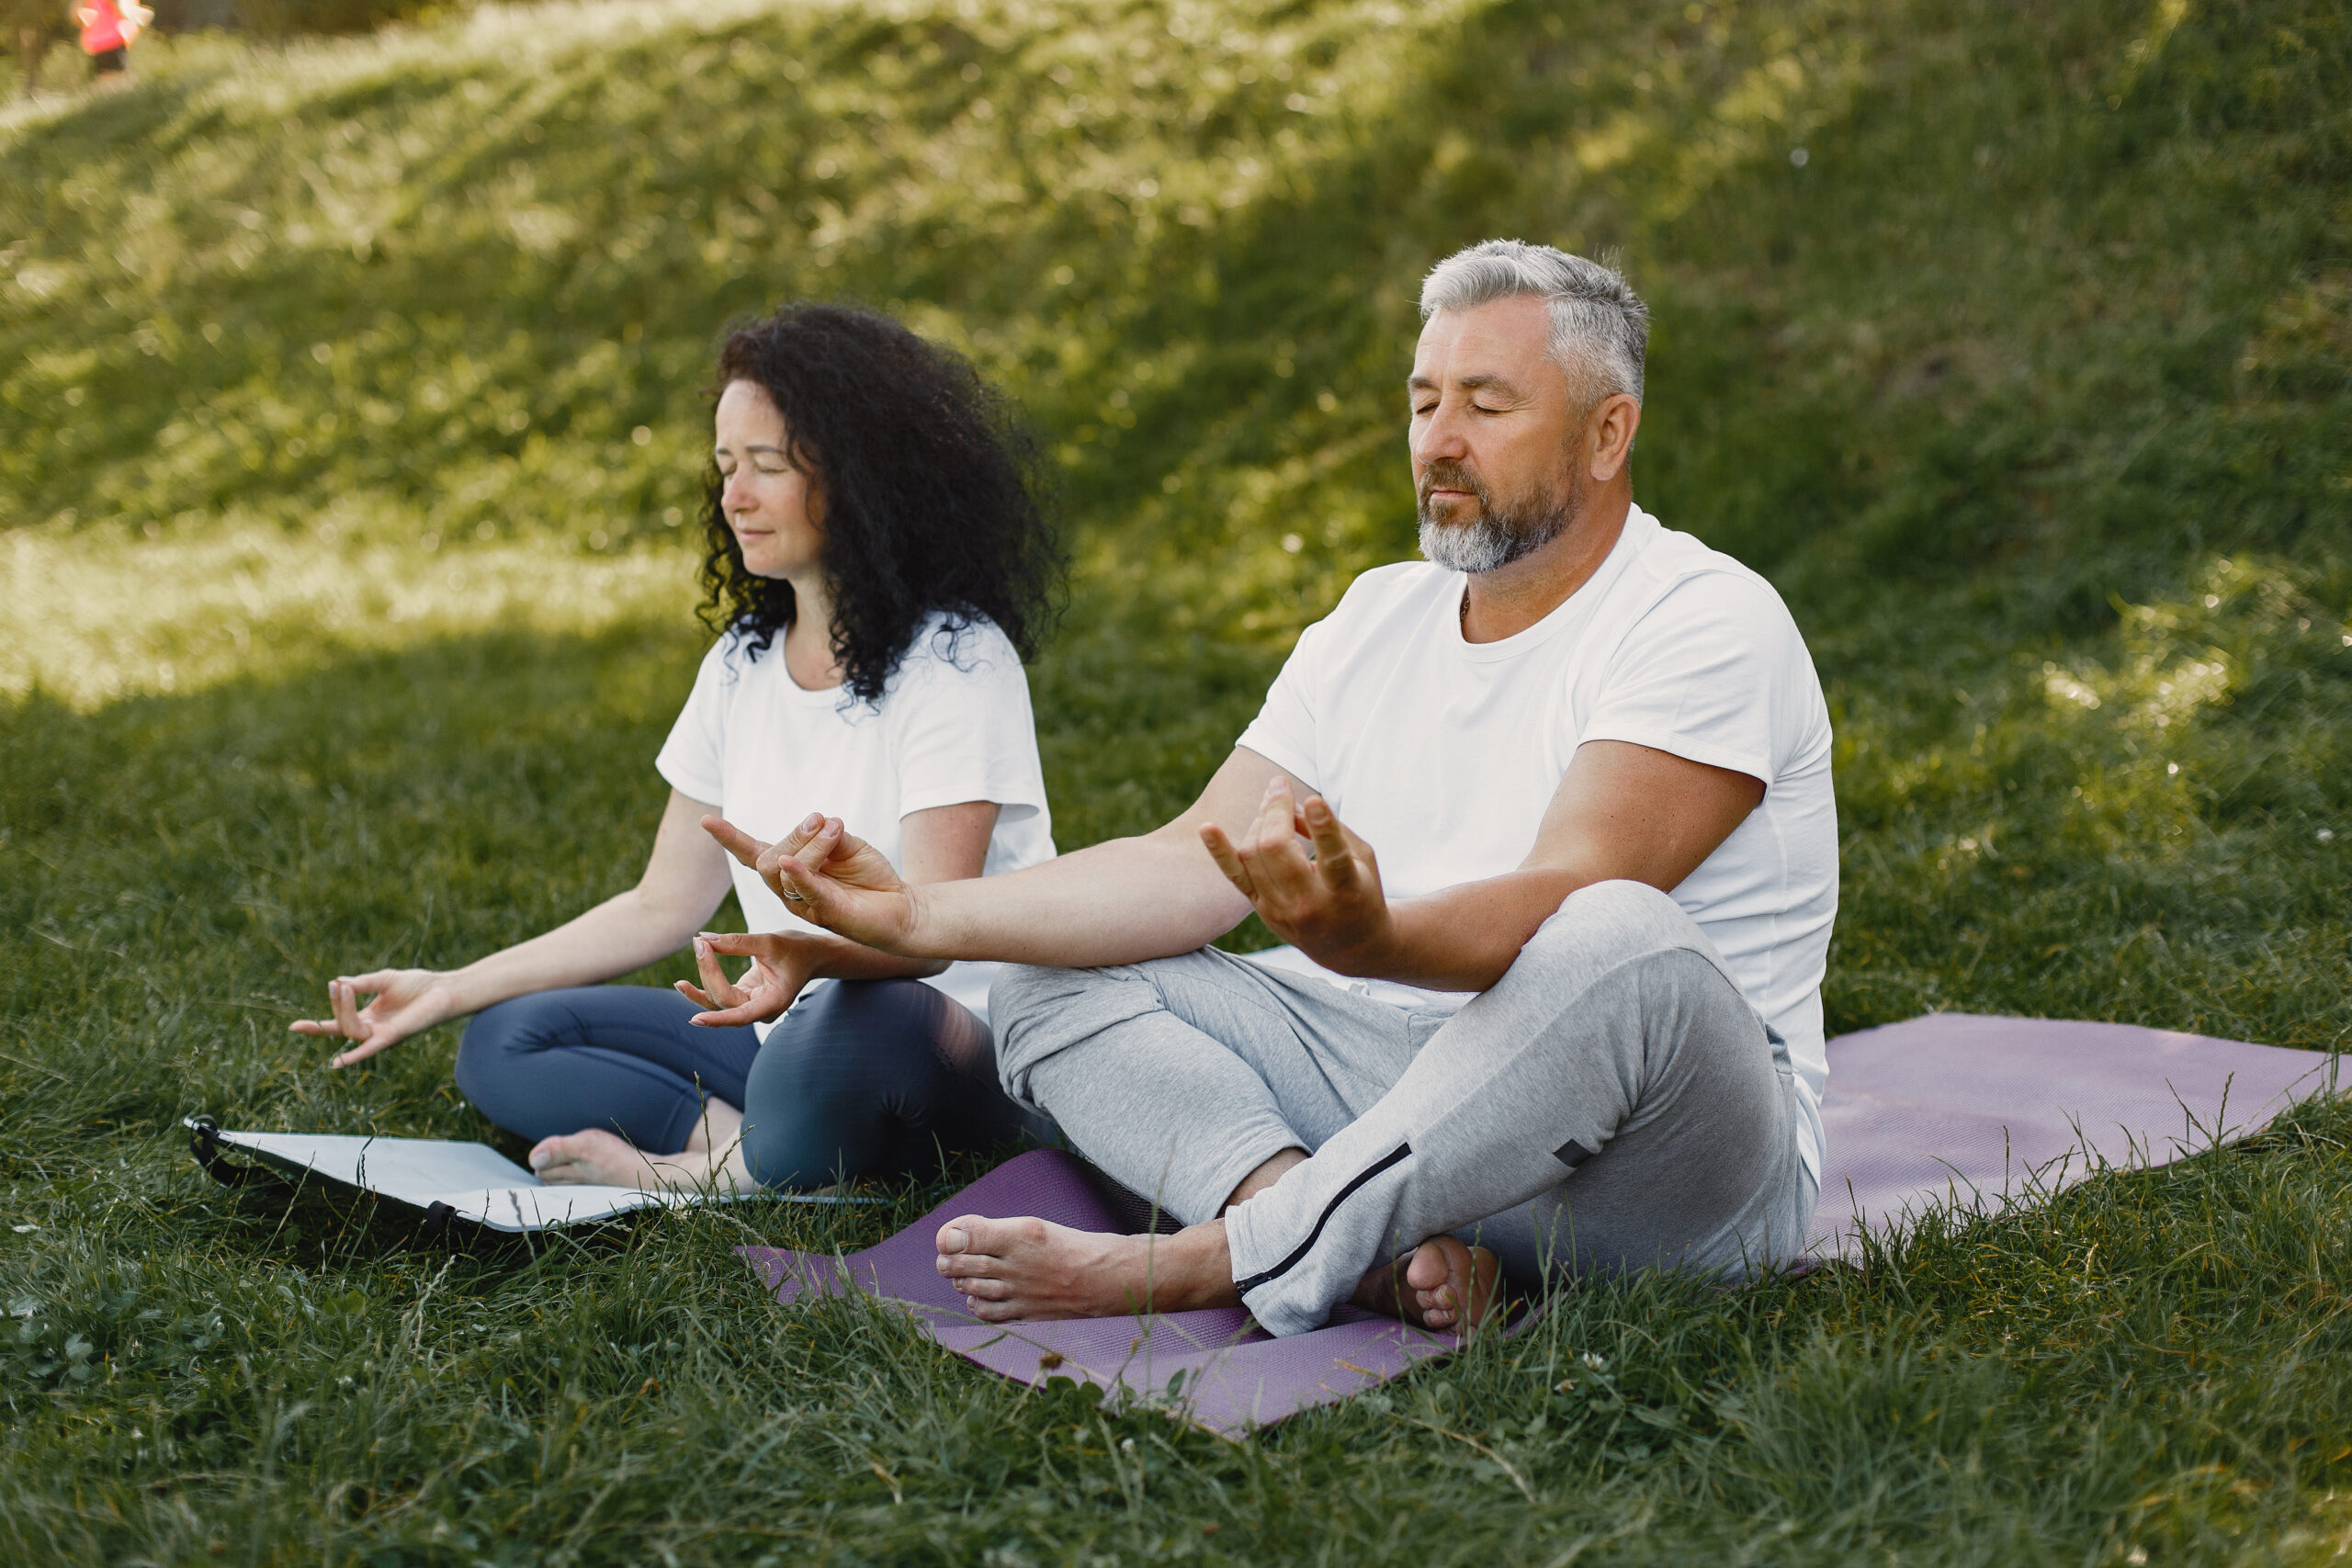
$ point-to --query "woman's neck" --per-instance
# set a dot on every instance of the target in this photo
(808, 641)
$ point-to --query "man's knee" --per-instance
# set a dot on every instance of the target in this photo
(1629, 967)
(1602, 926)
(1039, 1011)
(1020, 990)
(1633, 913)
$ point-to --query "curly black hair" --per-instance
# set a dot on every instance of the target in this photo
(934, 492)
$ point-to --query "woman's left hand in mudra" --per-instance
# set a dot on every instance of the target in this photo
(781, 967)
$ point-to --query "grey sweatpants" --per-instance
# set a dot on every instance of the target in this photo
(1612, 1103)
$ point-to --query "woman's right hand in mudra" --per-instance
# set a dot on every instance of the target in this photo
(830, 877)
(404, 1003)
(782, 964)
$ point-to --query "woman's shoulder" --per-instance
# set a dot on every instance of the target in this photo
(736, 666)
(956, 649)
(739, 647)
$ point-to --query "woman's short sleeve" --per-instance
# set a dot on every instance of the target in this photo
(965, 731)
(694, 758)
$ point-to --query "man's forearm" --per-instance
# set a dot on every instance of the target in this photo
(838, 958)
(1120, 902)
(1463, 938)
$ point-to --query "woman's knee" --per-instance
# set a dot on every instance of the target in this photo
(855, 1068)
(854, 1043)
(493, 1047)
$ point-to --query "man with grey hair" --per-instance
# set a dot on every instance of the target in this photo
(1546, 820)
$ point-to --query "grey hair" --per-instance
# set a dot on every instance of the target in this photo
(1601, 329)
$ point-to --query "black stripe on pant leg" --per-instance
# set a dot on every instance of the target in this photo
(1245, 1286)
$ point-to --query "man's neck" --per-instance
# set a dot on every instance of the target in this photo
(1507, 601)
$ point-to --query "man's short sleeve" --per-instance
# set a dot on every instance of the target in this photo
(1714, 671)
(1283, 731)
(694, 758)
(964, 726)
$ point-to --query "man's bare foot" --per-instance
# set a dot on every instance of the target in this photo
(1027, 1269)
(1446, 1284)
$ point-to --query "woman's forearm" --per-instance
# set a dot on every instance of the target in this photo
(686, 877)
(624, 933)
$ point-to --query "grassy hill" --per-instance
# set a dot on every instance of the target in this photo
(350, 404)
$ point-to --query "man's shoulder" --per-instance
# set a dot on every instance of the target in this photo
(1684, 575)
(1672, 557)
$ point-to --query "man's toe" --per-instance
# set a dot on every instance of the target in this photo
(958, 1235)
(1432, 1265)
(999, 1238)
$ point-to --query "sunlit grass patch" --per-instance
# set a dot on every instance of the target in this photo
(90, 618)
(2149, 826)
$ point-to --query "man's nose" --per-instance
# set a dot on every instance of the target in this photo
(1439, 440)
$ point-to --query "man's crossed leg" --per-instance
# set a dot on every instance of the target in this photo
(1612, 1103)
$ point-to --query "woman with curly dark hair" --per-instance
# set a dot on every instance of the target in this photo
(878, 566)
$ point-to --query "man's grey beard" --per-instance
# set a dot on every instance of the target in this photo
(1496, 538)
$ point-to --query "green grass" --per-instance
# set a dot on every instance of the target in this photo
(345, 608)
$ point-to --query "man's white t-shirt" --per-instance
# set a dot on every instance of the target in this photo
(1444, 754)
(953, 724)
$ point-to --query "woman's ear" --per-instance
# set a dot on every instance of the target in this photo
(813, 489)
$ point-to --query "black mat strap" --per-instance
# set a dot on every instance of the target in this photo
(204, 1142)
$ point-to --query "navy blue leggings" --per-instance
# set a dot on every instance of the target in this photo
(862, 1078)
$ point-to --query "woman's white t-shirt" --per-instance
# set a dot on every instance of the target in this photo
(1444, 753)
(953, 724)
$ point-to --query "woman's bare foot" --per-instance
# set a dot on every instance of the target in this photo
(592, 1157)
(1027, 1269)
(596, 1159)
(1446, 1284)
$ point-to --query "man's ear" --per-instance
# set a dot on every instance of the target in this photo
(1608, 435)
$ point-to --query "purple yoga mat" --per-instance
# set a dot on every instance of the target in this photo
(1937, 1112)
(1214, 1366)
(1959, 1111)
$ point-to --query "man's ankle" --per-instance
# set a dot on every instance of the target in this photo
(1194, 1269)
(1270, 1171)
